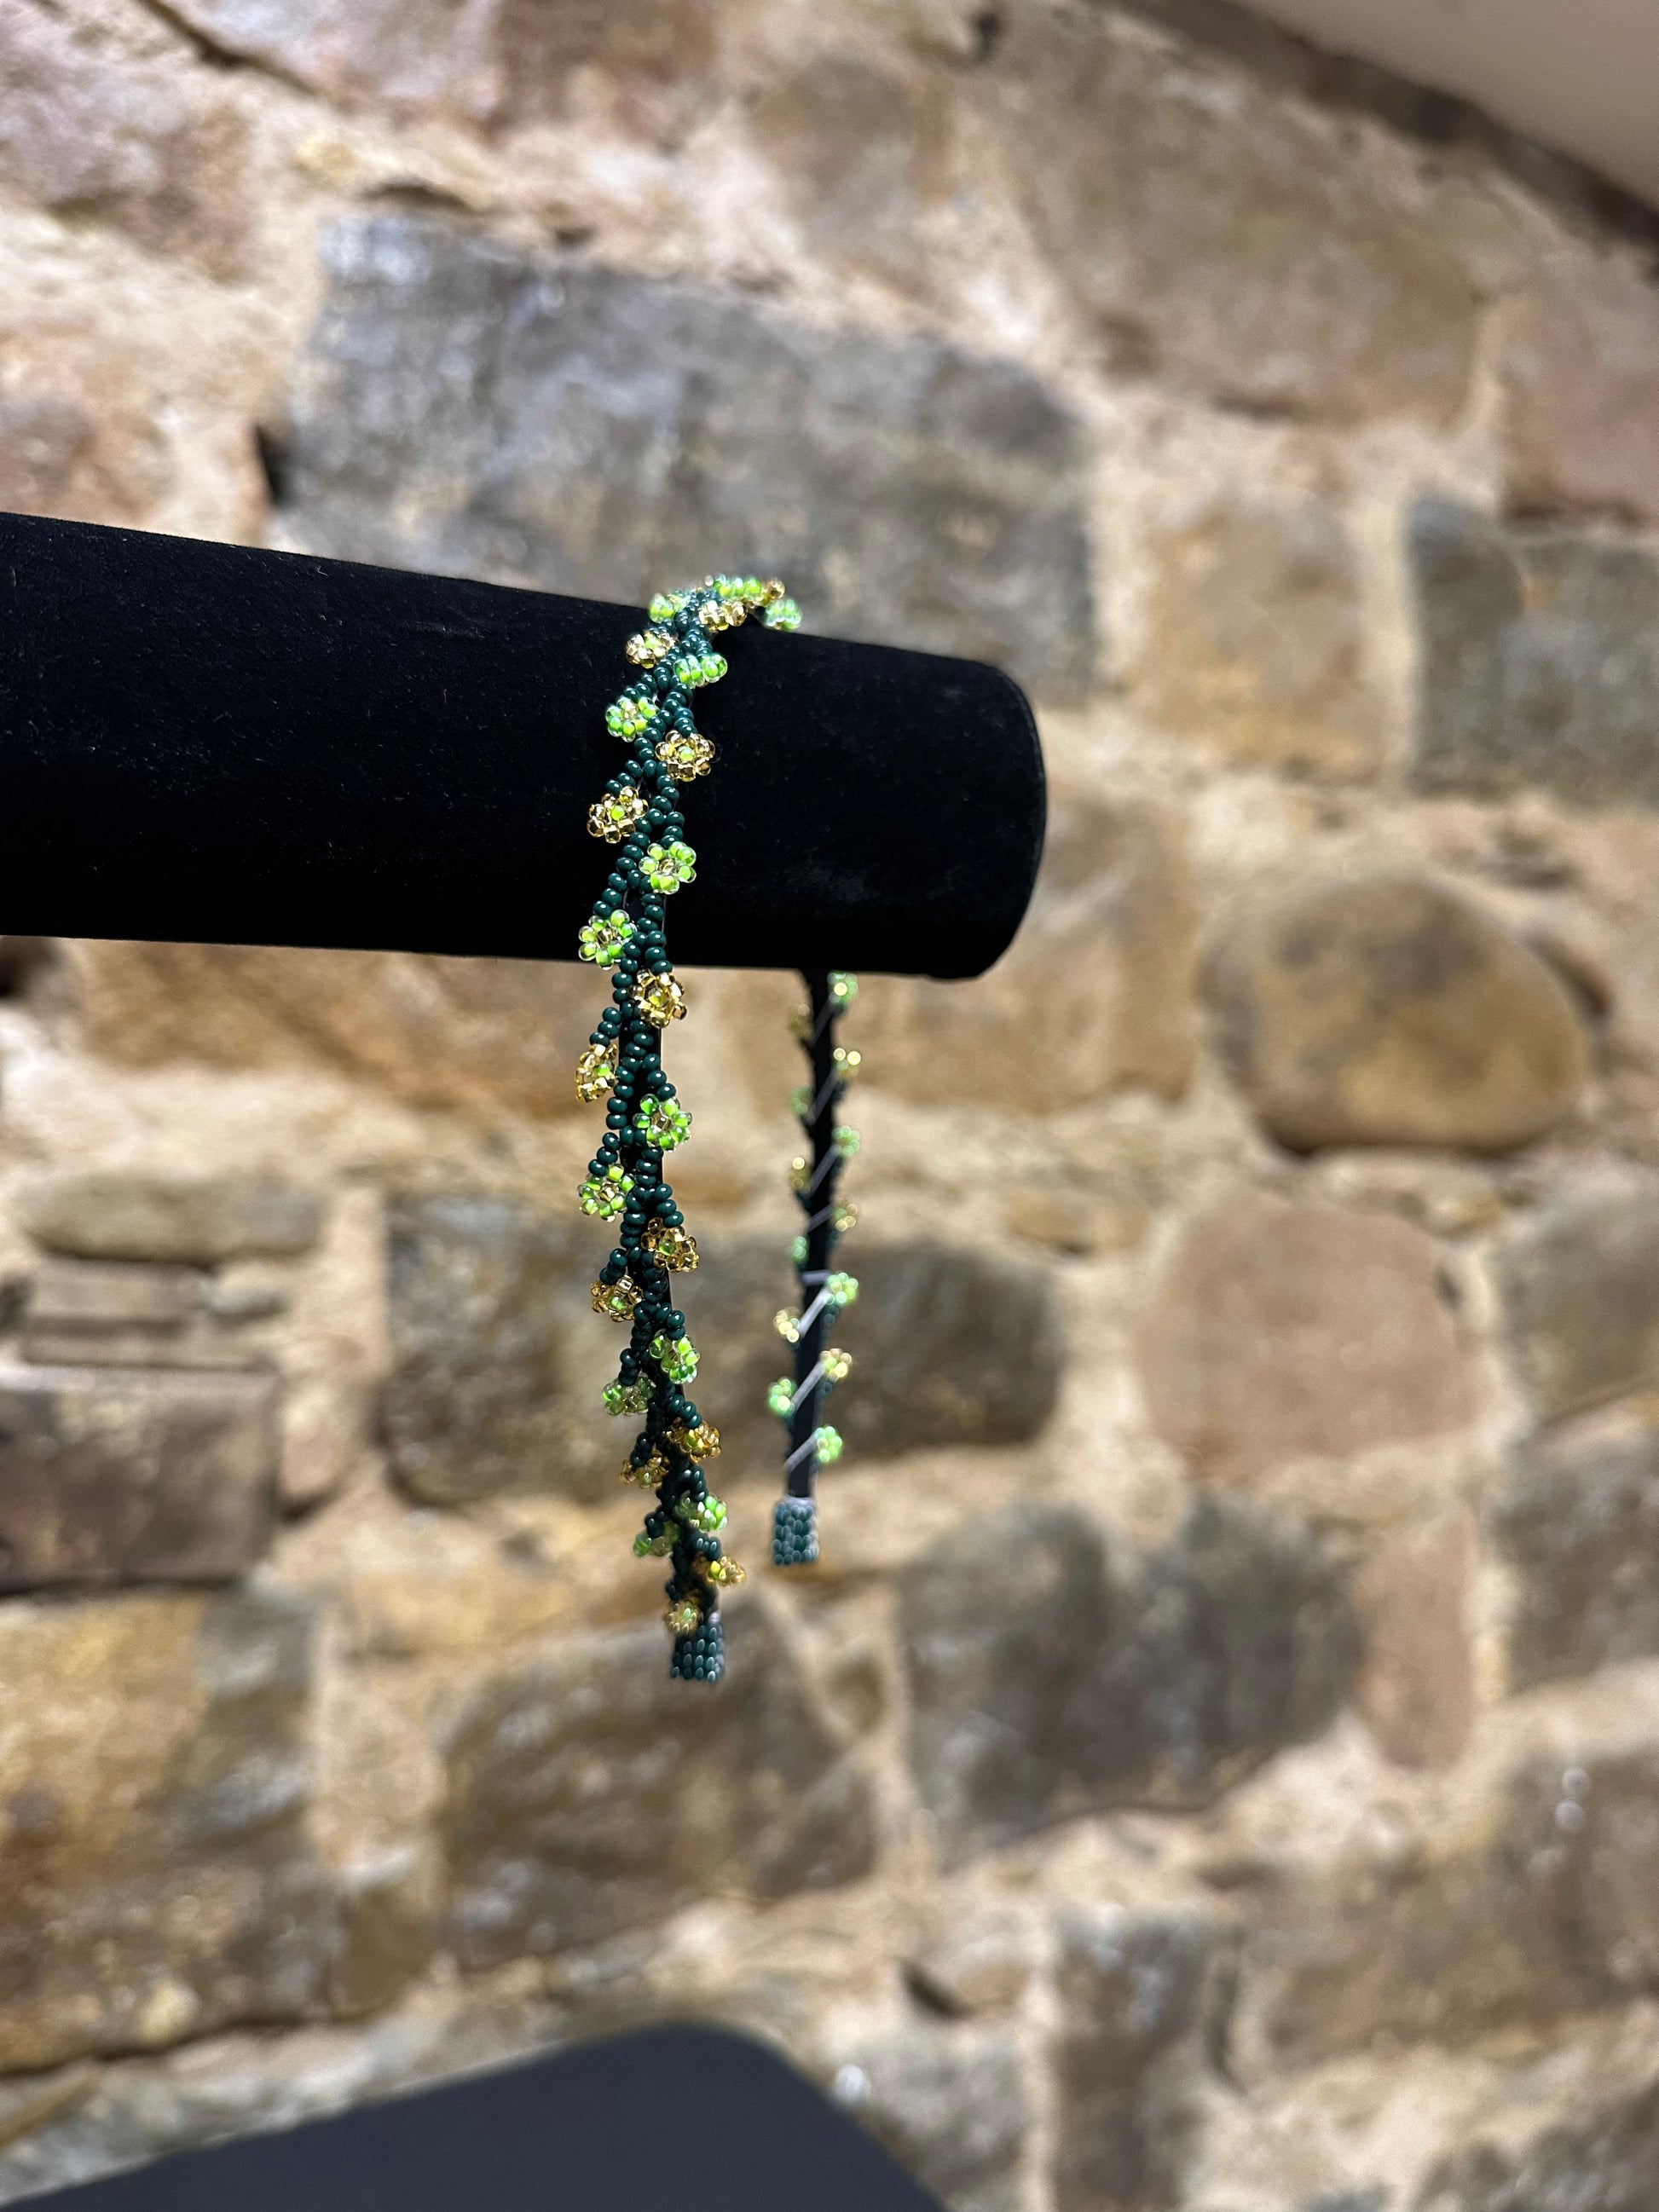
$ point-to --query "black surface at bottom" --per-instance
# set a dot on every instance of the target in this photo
(678, 2120)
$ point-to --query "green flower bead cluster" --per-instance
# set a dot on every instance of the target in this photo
(662, 1123)
(665, 867)
(677, 1356)
(630, 715)
(605, 939)
(841, 1290)
(605, 1194)
(638, 818)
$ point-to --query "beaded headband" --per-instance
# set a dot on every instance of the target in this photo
(622, 1069)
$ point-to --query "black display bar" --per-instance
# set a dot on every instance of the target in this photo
(215, 744)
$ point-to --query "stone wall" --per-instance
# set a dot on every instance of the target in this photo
(1217, 1763)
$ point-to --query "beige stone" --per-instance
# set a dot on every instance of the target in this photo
(1580, 378)
(860, 155)
(486, 60)
(42, 436)
(1282, 1330)
(1095, 996)
(481, 1035)
(1413, 1594)
(154, 1879)
(1219, 236)
(117, 1214)
(973, 1961)
(86, 131)
(1386, 1010)
(1254, 640)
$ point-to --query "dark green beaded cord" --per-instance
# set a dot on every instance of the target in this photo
(815, 1178)
(622, 1068)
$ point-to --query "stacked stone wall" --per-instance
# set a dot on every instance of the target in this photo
(1215, 1767)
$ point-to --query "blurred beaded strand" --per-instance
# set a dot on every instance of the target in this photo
(814, 1177)
(639, 813)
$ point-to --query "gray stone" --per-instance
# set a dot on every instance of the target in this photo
(1579, 1290)
(950, 1346)
(1579, 1523)
(1607, 2162)
(1542, 1905)
(1221, 237)
(112, 1475)
(1383, 1009)
(1046, 1682)
(467, 407)
(582, 1800)
(119, 1313)
(1538, 660)
(159, 1884)
(201, 1220)
(950, 2104)
(497, 1359)
(1143, 2004)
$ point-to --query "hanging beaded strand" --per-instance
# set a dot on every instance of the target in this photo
(819, 1365)
(622, 1069)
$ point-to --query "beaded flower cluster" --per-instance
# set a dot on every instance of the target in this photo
(639, 813)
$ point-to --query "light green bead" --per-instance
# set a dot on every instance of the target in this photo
(603, 939)
(677, 1356)
(604, 1195)
(663, 1122)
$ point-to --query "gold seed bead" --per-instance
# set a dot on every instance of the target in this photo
(673, 1248)
(800, 1174)
(596, 1074)
(684, 1618)
(702, 1442)
(616, 1301)
(660, 999)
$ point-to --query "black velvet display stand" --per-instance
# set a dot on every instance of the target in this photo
(216, 745)
(210, 743)
(676, 2120)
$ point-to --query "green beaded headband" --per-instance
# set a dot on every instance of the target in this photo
(622, 1069)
